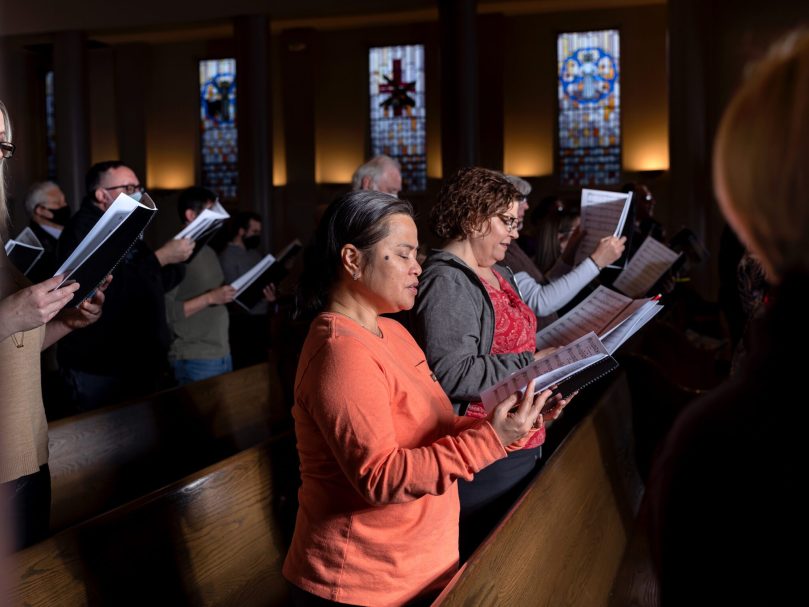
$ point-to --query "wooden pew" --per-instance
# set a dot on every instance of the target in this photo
(208, 539)
(103, 458)
(563, 541)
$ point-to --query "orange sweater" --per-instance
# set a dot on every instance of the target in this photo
(380, 450)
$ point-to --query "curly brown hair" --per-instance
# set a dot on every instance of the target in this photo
(469, 198)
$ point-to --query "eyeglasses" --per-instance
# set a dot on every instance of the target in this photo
(512, 223)
(7, 148)
(128, 188)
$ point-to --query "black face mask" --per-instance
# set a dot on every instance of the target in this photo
(60, 216)
(252, 242)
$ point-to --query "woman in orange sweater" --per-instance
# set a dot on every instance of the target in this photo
(379, 443)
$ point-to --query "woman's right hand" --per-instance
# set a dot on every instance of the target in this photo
(608, 250)
(34, 306)
(512, 424)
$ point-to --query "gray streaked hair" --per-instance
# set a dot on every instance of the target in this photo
(36, 195)
(523, 187)
(373, 169)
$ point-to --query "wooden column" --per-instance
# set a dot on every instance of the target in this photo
(131, 69)
(460, 138)
(254, 117)
(72, 114)
(298, 59)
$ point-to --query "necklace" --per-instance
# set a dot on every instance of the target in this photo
(19, 343)
(377, 332)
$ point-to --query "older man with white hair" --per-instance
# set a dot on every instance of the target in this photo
(380, 174)
(46, 206)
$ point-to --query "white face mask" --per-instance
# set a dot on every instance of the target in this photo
(136, 196)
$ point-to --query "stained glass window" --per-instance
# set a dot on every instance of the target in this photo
(220, 151)
(589, 108)
(398, 114)
(50, 126)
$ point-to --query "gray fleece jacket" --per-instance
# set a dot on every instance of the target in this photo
(453, 322)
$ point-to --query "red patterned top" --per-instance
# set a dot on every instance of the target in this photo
(515, 327)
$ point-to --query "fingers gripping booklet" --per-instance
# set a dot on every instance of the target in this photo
(203, 227)
(549, 370)
(106, 244)
(269, 270)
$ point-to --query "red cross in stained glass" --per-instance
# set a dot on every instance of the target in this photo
(399, 98)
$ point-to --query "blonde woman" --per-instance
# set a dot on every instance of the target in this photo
(30, 321)
(726, 497)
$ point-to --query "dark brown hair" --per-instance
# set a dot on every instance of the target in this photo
(469, 198)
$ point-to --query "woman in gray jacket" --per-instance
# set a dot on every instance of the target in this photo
(475, 328)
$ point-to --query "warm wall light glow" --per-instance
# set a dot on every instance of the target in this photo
(337, 157)
(527, 159)
(169, 172)
(648, 154)
(279, 166)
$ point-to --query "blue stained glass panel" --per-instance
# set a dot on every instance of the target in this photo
(397, 110)
(50, 126)
(589, 128)
(218, 136)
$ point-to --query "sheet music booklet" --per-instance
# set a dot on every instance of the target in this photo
(106, 244)
(249, 286)
(25, 250)
(645, 268)
(587, 337)
(204, 226)
(602, 214)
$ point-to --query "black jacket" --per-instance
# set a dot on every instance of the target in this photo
(132, 336)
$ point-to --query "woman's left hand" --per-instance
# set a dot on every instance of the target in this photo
(555, 405)
(88, 311)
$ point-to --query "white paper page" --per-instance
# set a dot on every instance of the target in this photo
(548, 370)
(203, 222)
(243, 281)
(632, 325)
(602, 214)
(593, 314)
(113, 217)
(28, 238)
(645, 268)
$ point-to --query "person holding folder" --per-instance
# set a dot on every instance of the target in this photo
(380, 446)
(31, 319)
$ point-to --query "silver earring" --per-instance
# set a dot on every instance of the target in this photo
(356, 276)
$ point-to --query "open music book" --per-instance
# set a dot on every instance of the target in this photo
(204, 226)
(585, 354)
(602, 214)
(269, 270)
(587, 337)
(613, 317)
(106, 244)
(25, 250)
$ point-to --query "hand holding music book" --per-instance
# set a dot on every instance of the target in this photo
(580, 363)
(203, 227)
(602, 214)
(106, 244)
(25, 250)
(269, 270)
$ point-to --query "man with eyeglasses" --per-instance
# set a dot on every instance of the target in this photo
(126, 353)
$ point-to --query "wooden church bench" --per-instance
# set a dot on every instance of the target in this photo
(108, 456)
(211, 538)
(562, 543)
